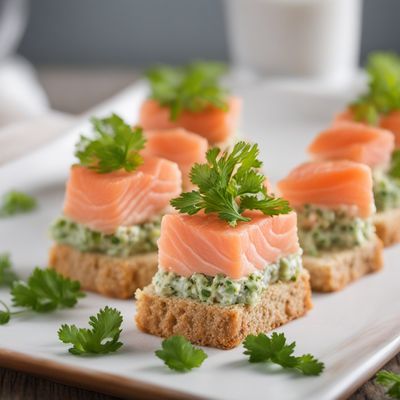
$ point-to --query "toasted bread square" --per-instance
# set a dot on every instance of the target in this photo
(117, 277)
(221, 326)
(333, 270)
(387, 225)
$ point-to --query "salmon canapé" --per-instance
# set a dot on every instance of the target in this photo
(354, 141)
(215, 124)
(389, 121)
(330, 184)
(178, 145)
(205, 244)
(104, 202)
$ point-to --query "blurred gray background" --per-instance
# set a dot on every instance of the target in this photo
(140, 32)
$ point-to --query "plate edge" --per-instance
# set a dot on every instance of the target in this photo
(103, 382)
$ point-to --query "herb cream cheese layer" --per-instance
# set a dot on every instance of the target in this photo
(386, 191)
(124, 242)
(223, 290)
(323, 229)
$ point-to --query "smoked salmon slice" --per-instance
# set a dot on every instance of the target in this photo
(103, 202)
(215, 124)
(353, 141)
(330, 184)
(205, 244)
(178, 145)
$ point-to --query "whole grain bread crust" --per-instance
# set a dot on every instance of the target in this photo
(332, 271)
(387, 225)
(117, 277)
(219, 326)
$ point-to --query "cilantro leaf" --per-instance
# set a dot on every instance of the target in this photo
(262, 348)
(5, 317)
(15, 202)
(383, 94)
(191, 88)
(115, 146)
(228, 184)
(180, 355)
(102, 338)
(391, 381)
(46, 290)
(7, 275)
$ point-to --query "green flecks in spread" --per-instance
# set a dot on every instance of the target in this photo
(125, 242)
(327, 229)
(386, 191)
(223, 290)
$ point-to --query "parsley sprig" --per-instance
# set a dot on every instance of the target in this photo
(193, 87)
(179, 354)
(102, 338)
(391, 381)
(45, 291)
(228, 184)
(15, 202)
(7, 275)
(383, 94)
(262, 348)
(115, 146)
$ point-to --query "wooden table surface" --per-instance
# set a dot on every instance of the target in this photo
(74, 90)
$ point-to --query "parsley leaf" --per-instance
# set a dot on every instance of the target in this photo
(7, 275)
(262, 348)
(191, 88)
(391, 381)
(15, 202)
(228, 184)
(114, 146)
(383, 94)
(180, 355)
(102, 338)
(5, 315)
(46, 290)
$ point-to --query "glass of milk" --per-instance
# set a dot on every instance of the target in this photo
(296, 38)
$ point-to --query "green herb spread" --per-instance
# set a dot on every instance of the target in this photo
(386, 191)
(327, 229)
(224, 290)
(125, 242)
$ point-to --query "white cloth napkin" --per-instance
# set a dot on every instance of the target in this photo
(26, 120)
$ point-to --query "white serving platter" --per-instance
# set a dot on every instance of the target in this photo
(354, 332)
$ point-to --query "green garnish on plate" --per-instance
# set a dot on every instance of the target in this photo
(391, 381)
(383, 94)
(180, 355)
(274, 349)
(192, 88)
(115, 146)
(15, 202)
(7, 275)
(229, 184)
(45, 291)
(102, 338)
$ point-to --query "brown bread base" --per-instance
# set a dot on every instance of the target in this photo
(117, 277)
(220, 326)
(332, 271)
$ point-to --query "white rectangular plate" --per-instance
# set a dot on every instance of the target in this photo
(354, 331)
